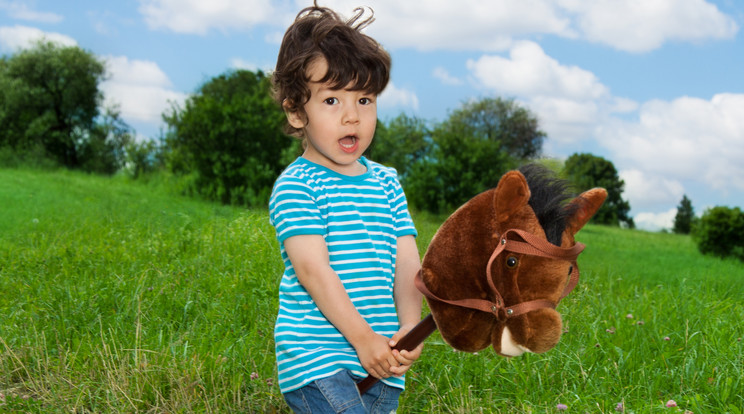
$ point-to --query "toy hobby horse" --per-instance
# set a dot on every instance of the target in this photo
(498, 266)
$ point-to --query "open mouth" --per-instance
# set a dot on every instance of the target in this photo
(349, 143)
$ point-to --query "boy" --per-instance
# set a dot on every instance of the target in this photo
(346, 236)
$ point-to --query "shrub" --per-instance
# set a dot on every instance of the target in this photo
(720, 232)
(228, 136)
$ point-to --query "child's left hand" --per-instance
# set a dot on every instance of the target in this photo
(404, 358)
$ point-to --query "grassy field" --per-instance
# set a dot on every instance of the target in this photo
(122, 297)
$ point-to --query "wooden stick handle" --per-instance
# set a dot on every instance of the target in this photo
(409, 342)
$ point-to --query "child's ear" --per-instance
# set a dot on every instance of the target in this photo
(294, 117)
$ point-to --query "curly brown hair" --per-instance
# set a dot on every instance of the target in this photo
(355, 60)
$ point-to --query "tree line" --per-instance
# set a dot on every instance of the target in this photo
(226, 142)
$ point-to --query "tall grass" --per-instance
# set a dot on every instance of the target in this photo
(118, 299)
(121, 297)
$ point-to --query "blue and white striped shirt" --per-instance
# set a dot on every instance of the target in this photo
(360, 218)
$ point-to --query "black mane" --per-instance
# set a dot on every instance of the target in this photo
(549, 200)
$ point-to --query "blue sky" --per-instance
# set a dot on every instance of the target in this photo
(655, 86)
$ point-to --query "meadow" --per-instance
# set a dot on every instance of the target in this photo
(120, 296)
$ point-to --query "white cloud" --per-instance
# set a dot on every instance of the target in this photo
(640, 26)
(629, 25)
(19, 37)
(198, 16)
(688, 138)
(444, 76)
(461, 25)
(393, 96)
(238, 63)
(662, 146)
(140, 89)
(644, 190)
(528, 71)
(21, 11)
(655, 221)
(569, 101)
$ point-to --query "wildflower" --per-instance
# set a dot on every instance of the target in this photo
(671, 403)
(629, 316)
(620, 407)
(254, 375)
(640, 323)
(666, 338)
(269, 381)
(561, 407)
(610, 330)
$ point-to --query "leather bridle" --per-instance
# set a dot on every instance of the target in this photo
(530, 245)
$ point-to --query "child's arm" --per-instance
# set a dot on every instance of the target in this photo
(309, 257)
(407, 300)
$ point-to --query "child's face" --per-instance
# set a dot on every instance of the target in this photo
(340, 123)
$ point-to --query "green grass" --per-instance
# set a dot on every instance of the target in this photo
(121, 297)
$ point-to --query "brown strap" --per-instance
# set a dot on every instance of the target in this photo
(533, 246)
(497, 308)
(479, 304)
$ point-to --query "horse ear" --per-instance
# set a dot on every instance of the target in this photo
(511, 195)
(586, 206)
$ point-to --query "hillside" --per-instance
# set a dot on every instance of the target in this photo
(121, 296)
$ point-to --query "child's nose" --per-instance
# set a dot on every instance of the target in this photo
(351, 114)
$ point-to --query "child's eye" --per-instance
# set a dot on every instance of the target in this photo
(331, 101)
(365, 101)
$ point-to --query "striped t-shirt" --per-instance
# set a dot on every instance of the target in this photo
(360, 218)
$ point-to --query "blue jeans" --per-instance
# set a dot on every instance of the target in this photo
(339, 394)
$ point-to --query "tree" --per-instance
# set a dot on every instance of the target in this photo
(467, 153)
(49, 100)
(685, 216)
(229, 138)
(720, 232)
(586, 171)
(505, 122)
(400, 143)
(458, 165)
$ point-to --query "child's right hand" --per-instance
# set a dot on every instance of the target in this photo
(376, 356)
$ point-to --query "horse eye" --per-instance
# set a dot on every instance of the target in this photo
(511, 262)
(570, 269)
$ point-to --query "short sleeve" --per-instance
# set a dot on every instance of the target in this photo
(403, 222)
(293, 209)
(399, 204)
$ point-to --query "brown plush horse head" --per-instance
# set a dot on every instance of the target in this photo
(498, 266)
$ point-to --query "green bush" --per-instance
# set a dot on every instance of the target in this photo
(228, 136)
(720, 232)
(51, 111)
(34, 158)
